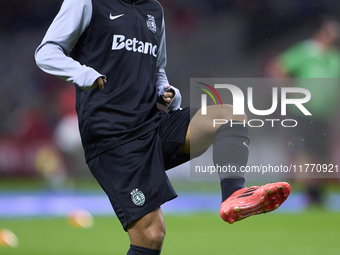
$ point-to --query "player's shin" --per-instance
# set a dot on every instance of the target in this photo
(230, 153)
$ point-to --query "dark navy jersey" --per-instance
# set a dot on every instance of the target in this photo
(123, 41)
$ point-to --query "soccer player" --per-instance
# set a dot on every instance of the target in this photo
(114, 52)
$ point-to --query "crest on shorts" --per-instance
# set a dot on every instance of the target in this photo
(137, 197)
(151, 23)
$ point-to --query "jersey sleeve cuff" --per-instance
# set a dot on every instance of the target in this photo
(87, 78)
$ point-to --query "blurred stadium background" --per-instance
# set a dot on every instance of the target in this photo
(43, 176)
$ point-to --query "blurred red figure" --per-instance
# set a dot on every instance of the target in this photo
(66, 133)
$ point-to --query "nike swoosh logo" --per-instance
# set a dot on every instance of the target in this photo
(115, 17)
(244, 143)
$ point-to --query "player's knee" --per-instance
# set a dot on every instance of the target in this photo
(149, 237)
(155, 237)
(148, 231)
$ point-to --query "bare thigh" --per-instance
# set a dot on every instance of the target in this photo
(201, 131)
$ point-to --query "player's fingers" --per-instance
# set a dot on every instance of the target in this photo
(103, 82)
(167, 100)
(169, 94)
(95, 84)
(100, 83)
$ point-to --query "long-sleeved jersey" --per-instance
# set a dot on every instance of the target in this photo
(122, 41)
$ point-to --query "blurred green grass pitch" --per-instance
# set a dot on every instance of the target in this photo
(312, 232)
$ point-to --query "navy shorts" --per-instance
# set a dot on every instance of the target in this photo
(133, 174)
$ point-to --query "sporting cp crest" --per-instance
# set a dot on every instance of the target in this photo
(151, 23)
(137, 197)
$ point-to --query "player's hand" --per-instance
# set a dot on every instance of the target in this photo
(168, 95)
(99, 83)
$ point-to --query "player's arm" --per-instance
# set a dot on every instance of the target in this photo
(52, 55)
(167, 95)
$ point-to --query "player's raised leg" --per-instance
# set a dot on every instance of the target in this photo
(231, 148)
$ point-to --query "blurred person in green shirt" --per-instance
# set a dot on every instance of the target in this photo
(317, 62)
